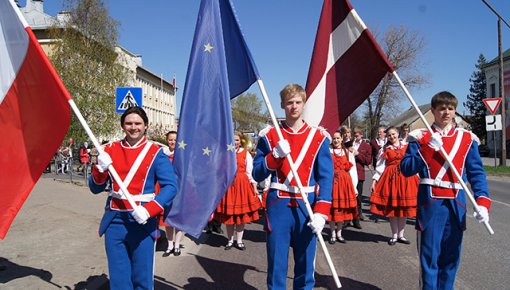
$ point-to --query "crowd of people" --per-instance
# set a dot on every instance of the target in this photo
(410, 181)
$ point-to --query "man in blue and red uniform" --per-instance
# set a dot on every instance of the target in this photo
(130, 233)
(286, 215)
(441, 216)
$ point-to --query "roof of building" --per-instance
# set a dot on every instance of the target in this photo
(410, 115)
(35, 16)
(495, 61)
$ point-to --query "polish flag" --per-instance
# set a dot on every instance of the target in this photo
(347, 65)
(34, 112)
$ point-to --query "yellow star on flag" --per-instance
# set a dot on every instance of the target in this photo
(208, 47)
(182, 145)
(206, 151)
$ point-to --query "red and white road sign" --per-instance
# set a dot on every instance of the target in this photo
(492, 104)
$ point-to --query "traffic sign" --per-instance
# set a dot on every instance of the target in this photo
(492, 104)
(493, 123)
(128, 97)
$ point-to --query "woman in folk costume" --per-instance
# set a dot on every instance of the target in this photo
(344, 205)
(173, 235)
(393, 194)
(240, 204)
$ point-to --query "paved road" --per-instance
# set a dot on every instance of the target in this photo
(53, 244)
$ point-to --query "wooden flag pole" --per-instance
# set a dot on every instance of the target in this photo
(112, 170)
(304, 195)
(443, 152)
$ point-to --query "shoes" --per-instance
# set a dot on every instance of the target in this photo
(241, 246)
(392, 242)
(168, 252)
(403, 240)
(332, 240)
(361, 217)
(177, 251)
(341, 239)
(357, 225)
(229, 246)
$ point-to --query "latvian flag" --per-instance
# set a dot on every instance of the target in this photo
(34, 112)
(347, 65)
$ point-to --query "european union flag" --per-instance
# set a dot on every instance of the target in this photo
(220, 68)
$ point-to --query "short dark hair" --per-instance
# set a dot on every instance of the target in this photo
(443, 98)
(135, 110)
(170, 132)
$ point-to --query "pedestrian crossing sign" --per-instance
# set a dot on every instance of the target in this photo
(128, 97)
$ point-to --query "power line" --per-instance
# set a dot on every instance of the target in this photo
(496, 12)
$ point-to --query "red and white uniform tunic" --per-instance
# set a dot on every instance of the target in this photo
(140, 167)
(395, 195)
(286, 216)
(240, 204)
(344, 205)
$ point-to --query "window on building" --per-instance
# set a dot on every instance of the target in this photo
(493, 91)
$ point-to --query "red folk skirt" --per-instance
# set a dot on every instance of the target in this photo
(240, 204)
(344, 205)
(395, 195)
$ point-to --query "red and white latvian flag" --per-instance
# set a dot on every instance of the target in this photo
(347, 65)
(34, 112)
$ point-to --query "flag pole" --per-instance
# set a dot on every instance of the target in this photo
(443, 152)
(94, 140)
(303, 194)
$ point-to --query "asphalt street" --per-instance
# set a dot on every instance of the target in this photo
(53, 244)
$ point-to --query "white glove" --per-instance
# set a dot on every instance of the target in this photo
(103, 161)
(319, 220)
(435, 141)
(140, 214)
(281, 149)
(483, 215)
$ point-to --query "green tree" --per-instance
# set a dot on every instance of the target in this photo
(248, 114)
(475, 98)
(86, 60)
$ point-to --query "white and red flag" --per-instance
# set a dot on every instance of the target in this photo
(347, 65)
(34, 112)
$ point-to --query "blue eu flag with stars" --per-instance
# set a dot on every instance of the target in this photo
(220, 68)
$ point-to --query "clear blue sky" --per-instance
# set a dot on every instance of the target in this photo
(281, 34)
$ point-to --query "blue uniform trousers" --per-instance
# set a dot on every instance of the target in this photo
(130, 251)
(440, 248)
(288, 228)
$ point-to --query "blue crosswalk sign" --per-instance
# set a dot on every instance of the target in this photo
(128, 97)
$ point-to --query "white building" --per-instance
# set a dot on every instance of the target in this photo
(158, 98)
(491, 70)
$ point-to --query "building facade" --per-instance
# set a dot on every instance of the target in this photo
(491, 70)
(158, 94)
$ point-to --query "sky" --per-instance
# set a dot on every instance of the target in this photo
(281, 33)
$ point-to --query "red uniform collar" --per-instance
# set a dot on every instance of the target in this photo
(447, 131)
(141, 142)
(289, 130)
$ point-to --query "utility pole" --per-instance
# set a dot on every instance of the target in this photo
(501, 86)
(503, 97)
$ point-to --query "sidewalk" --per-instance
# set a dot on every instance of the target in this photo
(489, 161)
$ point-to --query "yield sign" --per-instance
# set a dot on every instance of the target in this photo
(492, 104)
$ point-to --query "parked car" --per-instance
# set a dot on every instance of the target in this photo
(484, 150)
